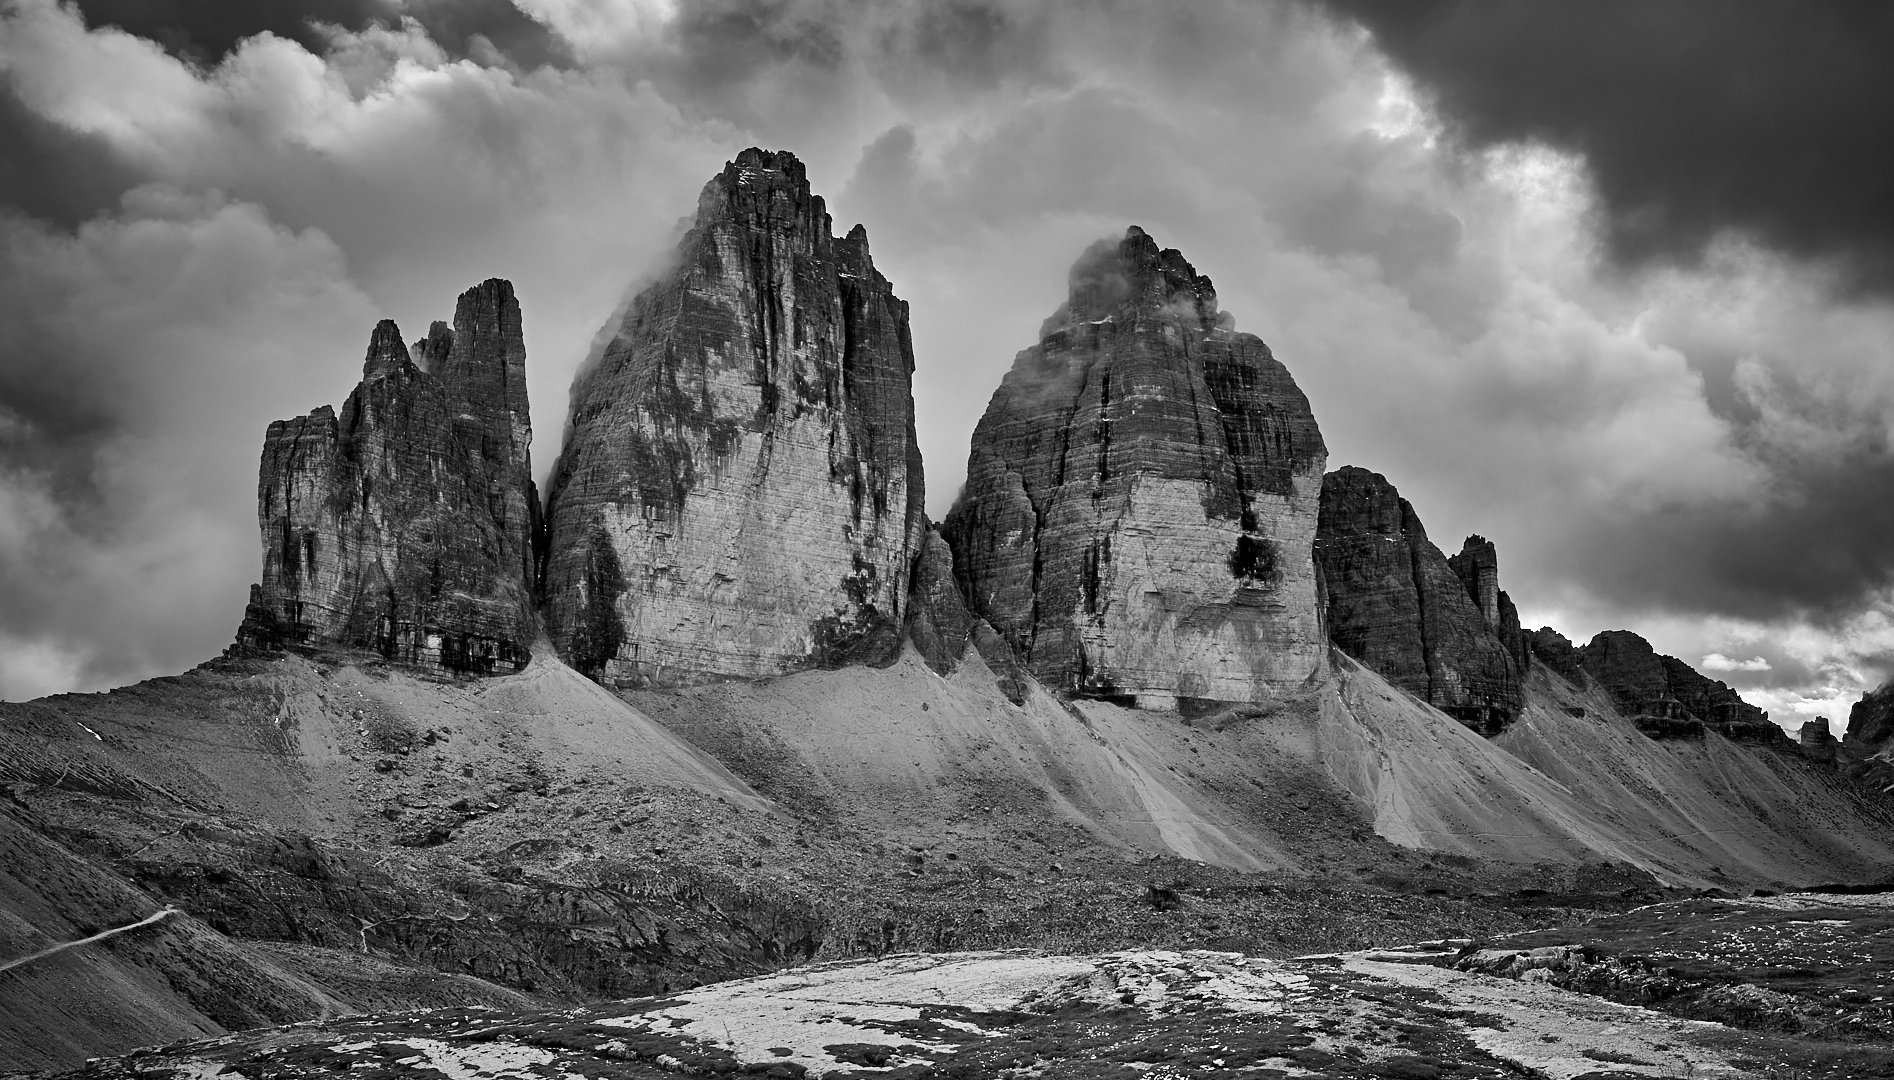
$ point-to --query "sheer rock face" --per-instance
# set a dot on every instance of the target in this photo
(1397, 604)
(1141, 495)
(740, 494)
(1666, 696)
(406, 525)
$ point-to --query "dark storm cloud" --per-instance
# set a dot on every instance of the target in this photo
(1816, 546)
(52, 172)
(1695, 116)
(207, 30)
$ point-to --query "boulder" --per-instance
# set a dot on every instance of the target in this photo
(1396, 604)
(740, 493)
(407, 524)
(1141, 496)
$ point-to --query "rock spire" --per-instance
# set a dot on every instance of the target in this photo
(740, 494)
(406, 525)
(1436, 627)
(1141, 495)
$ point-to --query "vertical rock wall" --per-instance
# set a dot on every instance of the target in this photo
(405, 525)
(740, 494)
(1398, 605)
(1477, 567)
(1141, 495)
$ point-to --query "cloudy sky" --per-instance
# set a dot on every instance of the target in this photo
(1611, 283)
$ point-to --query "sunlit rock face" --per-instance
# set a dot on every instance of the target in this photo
(1141, 495)
(1397, 604)
(406, 525)
(740, 493)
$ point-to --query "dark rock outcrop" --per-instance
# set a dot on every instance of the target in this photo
(1667, 697)
(1398, 605)
(1141, 495)
(942, 627)
(1556, 651)
(1816, 741)
(1871, 721)
(407, 524)
(740, 494)
(1477, 566)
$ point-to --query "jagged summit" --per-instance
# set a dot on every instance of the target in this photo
(1141, 495)
(1438, 628)
(741, 491)
(406, 525)
(1667, 697)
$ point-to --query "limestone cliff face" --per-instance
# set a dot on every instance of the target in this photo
(1398, 605)
(740, 494)
(406, 524)
(1667, 697)
(1141, 495)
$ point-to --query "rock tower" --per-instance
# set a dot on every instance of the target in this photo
(740, 493)
(406, 525)
(1142, 493)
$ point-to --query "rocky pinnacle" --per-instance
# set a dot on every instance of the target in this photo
(406, 525)
(1395, 603)
(1141, 495)
(740, 493)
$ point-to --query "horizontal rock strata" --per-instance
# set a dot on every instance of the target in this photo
(740, 494)
(406, 525)
(1398, 605)
(1141, 495)
(1667, 697)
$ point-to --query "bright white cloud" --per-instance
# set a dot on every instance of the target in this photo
(1719, 662)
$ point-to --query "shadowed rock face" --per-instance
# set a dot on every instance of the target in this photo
(1141, 495)
(1871, 721)
(741, 492)
(1556, 651)
(1817, 742)
(942, 627)
(1477, 567)
(1667, 697)
(406, 525)
(1398, 605)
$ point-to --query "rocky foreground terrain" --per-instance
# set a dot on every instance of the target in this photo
(1721, 990)
(1157, 756)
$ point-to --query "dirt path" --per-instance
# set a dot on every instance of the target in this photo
(163, 913)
